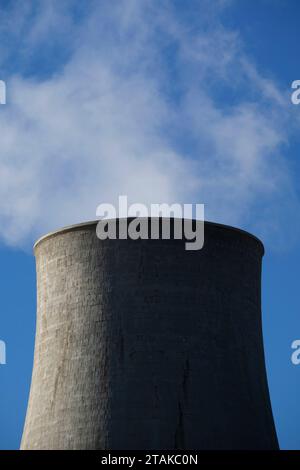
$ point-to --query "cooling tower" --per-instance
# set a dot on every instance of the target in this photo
(141, 344)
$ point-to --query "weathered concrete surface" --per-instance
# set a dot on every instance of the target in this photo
(143, 345)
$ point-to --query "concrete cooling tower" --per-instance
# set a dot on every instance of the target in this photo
(143, 345)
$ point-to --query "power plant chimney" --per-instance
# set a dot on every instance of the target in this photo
(141, 344)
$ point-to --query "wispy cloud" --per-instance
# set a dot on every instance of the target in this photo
(134, 98)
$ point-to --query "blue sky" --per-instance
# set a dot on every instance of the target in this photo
(165, 101)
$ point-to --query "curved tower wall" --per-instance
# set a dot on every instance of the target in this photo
(144, 345)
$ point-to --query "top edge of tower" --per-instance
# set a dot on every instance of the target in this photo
(89, 225)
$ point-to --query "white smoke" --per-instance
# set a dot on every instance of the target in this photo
(130, 97)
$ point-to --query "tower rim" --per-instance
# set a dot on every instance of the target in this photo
(91, 223)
